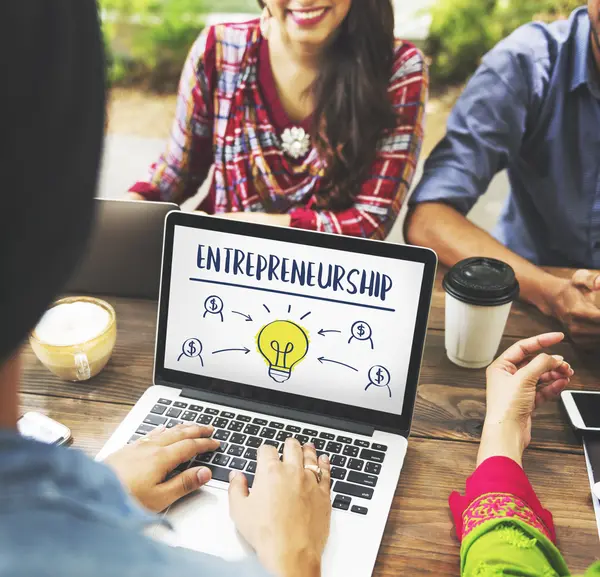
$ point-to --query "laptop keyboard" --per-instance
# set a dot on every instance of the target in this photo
(355, 463)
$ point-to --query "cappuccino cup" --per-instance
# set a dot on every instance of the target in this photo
(75, 338)
(479, 295)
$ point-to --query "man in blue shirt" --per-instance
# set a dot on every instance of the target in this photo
(532, 107)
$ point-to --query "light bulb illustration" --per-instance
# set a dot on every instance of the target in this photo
(283, 344)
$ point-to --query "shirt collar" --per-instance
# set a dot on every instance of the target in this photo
(581, 50)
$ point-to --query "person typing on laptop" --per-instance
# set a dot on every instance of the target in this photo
(61, 513)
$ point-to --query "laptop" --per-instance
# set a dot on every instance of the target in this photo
(123, 257)
(268, 332)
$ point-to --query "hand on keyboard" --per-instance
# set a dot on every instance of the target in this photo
(143, 466)
(286, 517)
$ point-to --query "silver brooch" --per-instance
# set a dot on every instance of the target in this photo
(295, 142)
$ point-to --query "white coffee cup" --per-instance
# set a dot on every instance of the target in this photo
(76, 337)
(479, 295)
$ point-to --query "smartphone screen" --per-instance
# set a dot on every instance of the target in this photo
(41, 428)
(589, 408)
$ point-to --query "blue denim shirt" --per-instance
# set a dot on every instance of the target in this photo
(533, 107)
(64, 515)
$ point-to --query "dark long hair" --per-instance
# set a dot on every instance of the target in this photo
(352, 108)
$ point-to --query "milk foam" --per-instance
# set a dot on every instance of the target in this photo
(72, 323)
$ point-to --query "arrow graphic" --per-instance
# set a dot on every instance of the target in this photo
(245, 350)
(247, 317)
(324, 360)
(323, 332)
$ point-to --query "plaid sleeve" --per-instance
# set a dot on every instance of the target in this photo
(383, 193)
(184, 165)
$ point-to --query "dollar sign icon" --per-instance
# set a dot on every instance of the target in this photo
(191, 348)
(362, 331)
(379, 377)
(213, 304)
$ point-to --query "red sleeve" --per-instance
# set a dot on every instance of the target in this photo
(384, 192)
(182, 168)
(499, 488)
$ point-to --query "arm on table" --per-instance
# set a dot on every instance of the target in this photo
(485, 130)
(185, 164)
(502, 525)
(454, 238)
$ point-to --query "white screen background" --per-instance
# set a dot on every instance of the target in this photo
(343, 373)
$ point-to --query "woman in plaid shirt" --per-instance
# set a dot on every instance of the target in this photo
(312, 118)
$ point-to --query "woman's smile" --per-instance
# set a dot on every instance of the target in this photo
(308, 17)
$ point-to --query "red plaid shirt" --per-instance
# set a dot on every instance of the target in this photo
(228, 114)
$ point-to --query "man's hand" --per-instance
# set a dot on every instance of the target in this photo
(143, 466)
(519, 380)
(286, 517)
(573, 303)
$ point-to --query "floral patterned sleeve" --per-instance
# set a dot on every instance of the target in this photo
(499, 489)
(502, 526)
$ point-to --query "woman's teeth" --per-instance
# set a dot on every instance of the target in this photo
(308, 15)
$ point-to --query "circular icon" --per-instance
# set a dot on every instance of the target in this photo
(379, 376)
(191, 348)
(213, 305)
(361, 331)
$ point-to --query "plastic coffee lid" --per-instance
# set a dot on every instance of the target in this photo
(482, 281)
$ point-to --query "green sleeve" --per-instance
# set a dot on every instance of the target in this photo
(511, 547)
(593, 571)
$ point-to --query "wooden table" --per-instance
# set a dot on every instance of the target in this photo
(419, 538)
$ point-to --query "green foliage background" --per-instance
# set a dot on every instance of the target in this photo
(462, 31)
(147, 40)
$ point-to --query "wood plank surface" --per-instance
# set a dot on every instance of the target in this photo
(91, 423)
(419, 538)
(450, 402)
(449, 412)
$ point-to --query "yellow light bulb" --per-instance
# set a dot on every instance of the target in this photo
(283, 344)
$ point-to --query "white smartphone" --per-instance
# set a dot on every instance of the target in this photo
(44, 429)
(583, 409)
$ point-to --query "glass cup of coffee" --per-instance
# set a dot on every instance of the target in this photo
(479, 295)
(75, 338)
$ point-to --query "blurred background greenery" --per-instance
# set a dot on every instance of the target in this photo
(462, 31)
(147, 40)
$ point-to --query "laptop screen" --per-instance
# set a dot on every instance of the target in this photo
(311, 321)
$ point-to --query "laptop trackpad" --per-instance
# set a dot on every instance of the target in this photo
(201, 522)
